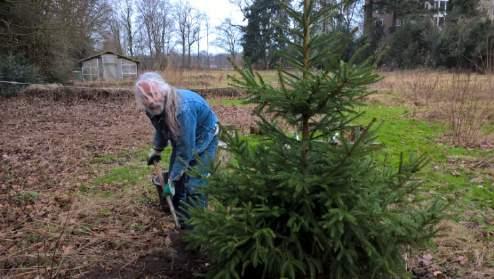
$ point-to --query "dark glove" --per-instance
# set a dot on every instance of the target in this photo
(154, 156)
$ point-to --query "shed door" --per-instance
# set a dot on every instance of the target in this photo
(129, 69)
(90, 69)
(110, 67)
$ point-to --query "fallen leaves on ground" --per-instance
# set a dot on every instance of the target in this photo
(48, 142)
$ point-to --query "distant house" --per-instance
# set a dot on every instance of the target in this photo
(441, 8)
(108, 66)
(388, 21)
(488, 7)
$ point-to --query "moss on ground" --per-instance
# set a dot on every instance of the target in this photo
(124, 173)
(449, 171)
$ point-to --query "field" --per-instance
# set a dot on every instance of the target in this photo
(76, 199)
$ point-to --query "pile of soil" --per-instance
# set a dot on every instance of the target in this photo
(57, 92)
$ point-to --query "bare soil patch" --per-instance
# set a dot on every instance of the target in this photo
(173, 263)
(49, 141)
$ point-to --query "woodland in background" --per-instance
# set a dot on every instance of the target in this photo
(43, 40)
(463, 42)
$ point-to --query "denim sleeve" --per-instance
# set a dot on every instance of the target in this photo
(159, 141)
(185, 145)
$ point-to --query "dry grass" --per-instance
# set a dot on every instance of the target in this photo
(207, 78)
(103, 84)
(178, 77)
(197, 78)
(462, 251)
(183, 78)
(464, 102)
(469, 106)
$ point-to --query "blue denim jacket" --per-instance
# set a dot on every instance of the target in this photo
(197, 130)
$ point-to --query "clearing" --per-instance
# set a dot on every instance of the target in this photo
(76, 199)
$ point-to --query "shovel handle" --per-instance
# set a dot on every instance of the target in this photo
(159, 173)
(172, 210)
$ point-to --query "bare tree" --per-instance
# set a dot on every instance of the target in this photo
(188, 22)
(229, 38)
(54, 34)
(126, 17)
(168, 30)
(113, 40)
(79, 22)
(183, 9)
(207, 43)
(199, 47)
(202, 18)
(147, 17)
(193, 34)
(140, 43)
(156, 21)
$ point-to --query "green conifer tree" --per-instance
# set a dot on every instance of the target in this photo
(305, 202)
(264, 35)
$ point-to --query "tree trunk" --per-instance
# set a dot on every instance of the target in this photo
(129, 31)
(183, 51)
(369, 18)
(305, 118)
(198, 54)
(207, 45)
(188, 58)
(150, 43)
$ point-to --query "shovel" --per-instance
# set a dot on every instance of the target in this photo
(159, 186)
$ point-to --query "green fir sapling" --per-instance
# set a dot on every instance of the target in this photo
(305, 207)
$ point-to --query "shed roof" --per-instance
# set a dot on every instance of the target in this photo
(109, 52)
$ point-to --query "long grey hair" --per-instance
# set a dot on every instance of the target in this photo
(156, 96)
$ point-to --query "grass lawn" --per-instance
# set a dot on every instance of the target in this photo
(226, 102)
(451, 170)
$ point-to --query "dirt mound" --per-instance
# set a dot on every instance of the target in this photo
(74, 93)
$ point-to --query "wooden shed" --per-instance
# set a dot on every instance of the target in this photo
(108, 66)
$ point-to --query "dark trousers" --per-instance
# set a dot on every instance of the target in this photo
(186, 188)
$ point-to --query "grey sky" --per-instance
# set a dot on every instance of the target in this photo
(217, 11)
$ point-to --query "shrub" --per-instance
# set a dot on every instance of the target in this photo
(16, 68)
